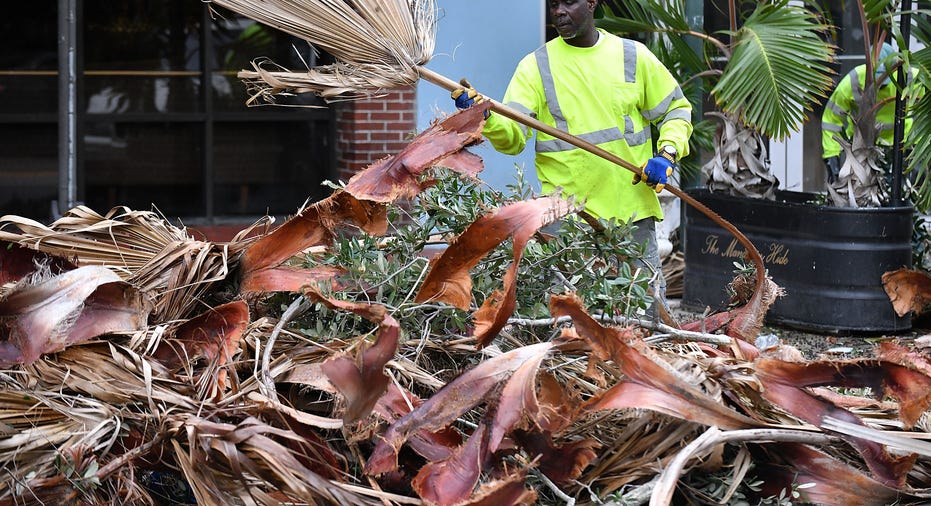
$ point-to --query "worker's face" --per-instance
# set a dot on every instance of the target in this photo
(572, 18)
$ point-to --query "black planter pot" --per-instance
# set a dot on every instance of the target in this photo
(829, 260)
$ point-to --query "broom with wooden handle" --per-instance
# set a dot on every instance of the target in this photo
(382, 44)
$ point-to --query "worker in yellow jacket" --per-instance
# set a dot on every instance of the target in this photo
(837, 119)
(608, 91)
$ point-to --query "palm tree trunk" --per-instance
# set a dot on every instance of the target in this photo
(740, 165)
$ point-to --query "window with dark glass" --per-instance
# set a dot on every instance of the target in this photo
(28, 105)
(161, 114)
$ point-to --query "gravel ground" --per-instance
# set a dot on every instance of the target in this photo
(813, 345)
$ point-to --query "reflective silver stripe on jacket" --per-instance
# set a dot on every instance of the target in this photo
(549, 88)
(599, 137)
(838, 110)
(683, 114)
(630, 61)
(658, 111)
(842, 114)
(855, 85)
(519, 107)
(855, 92)
(602, 136)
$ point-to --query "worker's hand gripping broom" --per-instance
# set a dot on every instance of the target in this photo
(381, 44)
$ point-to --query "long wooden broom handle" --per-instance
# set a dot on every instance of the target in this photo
(509, 112)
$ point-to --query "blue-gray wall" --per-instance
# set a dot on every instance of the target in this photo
(482, 40)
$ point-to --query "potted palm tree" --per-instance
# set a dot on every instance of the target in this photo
(765, 74)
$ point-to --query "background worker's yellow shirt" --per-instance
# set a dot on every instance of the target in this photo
(607, 94)
(837, 117)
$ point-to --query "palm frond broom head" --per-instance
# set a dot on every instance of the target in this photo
(377, 45)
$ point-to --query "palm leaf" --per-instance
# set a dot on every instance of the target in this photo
(876, 10)
(921, 26)
(919, 138)
(367, 31)
(616, 24)
(142, 248)
(778, 69)
(651, 14)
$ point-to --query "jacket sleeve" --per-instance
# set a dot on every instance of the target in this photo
(524, 93)
(834, 119)
(664, 104)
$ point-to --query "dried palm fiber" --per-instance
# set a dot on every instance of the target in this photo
(740, 165)
(639, 444)
(386, 43)
(145, 250)
(377, 44)
(860, 182)
(673, 272)
(117, 406)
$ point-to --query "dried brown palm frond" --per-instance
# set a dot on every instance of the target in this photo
(223, 461)
(159, 259)
(131, 412)
(674, 273)
(153, 401)
(379, 43)
(37, 424)
(122, 239)
(637, 446)
(115, 375)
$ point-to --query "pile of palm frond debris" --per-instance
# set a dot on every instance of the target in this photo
(143, 366)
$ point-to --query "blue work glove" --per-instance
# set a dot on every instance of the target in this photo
(657, 170)
(833, 166)
(466, 96)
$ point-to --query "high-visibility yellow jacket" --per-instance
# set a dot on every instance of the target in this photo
(837, 120)
(608, 94)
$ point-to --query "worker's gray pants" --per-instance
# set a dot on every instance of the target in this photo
(651, 263)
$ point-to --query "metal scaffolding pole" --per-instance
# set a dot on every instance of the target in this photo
(67, 107)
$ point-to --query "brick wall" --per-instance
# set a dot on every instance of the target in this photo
(371, 129)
